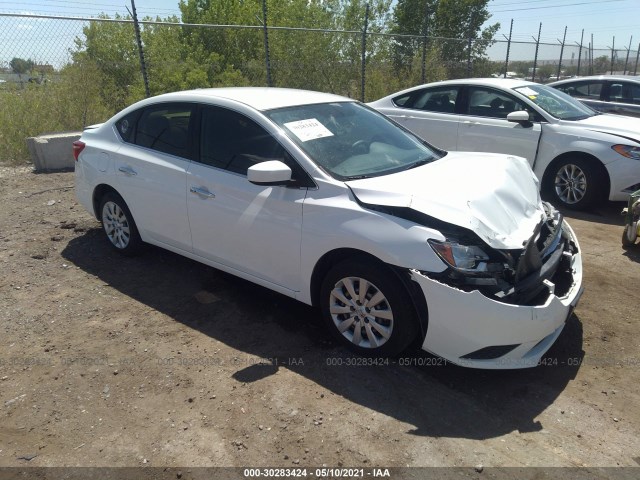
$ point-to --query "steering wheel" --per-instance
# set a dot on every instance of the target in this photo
(360, 145)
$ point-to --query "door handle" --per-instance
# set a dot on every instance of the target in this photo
(127, 171)
(202, 192)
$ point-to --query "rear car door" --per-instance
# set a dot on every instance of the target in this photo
(430, 113)
(249, 228)
(484, 126)
(150, 169)
(624, 98)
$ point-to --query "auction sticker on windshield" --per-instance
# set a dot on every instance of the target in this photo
(528, 92)
(308, 129)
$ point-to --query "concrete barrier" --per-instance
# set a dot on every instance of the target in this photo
(53, 151)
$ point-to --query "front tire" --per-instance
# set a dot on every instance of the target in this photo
(629, 236)
(367, 309)
(573, 183)
(118, 225)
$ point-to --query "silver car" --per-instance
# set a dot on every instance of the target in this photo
(605, 93)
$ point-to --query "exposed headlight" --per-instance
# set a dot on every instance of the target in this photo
(628, 151)
(461, 257)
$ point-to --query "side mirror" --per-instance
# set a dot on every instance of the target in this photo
(519, 116)
(271, 172)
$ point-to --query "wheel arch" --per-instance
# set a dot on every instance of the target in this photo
(547, 177)
(99, 192)
(329, 259)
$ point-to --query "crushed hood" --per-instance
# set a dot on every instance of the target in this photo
(625, 127)
(495, 196)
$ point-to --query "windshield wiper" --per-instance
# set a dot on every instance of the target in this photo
(579, 117)
(357, 177)
(419, 163)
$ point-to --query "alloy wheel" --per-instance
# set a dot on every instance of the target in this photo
(116, 225)
(361, 312)
(570, 184)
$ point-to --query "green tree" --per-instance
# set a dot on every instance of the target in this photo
(315, 60)
(521, 67)
(411, 17)
(111, 48)
(463, 19)
(170, 64)
(301, 59)
(226, 53)
(20, 65)
(601, 64)
(446, 19)
(351, 18)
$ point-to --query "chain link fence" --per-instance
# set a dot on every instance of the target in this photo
(63, 73)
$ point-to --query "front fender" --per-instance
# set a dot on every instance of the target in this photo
(558, 140)
(392, 240)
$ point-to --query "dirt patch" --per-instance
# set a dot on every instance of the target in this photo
(161, 361)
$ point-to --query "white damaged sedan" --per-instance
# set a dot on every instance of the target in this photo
(323, 199)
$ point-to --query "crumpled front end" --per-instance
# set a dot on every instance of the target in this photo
(508, 310)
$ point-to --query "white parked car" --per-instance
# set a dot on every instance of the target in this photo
(580, 156)
(323, 199)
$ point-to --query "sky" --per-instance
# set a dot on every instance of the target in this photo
(602, 18)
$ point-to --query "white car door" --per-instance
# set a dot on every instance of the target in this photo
(429, 113)
(484, 126)
(249, 228)
(150, 169)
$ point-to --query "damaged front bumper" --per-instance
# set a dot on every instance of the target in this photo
(471, 329)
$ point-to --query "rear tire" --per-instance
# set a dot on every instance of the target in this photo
(118, 225)
(574, 183)
(367, 309)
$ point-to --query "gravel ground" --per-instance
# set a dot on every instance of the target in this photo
(160, 361)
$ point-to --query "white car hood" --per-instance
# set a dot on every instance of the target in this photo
(619, 125)
(496, 196)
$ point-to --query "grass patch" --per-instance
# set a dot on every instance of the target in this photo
(29, 110)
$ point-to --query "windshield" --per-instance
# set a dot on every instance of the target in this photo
(351, 141)
(556, 103)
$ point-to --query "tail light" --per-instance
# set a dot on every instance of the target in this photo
(78, 146)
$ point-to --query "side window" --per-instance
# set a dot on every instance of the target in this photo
(127, 125)
(402, 100)
(569, 89)
(442, 100)
(616, 92)
(165, 128)
(486, 102)
(588, 90)
(233, 142)
(635, 93)
(624, 92)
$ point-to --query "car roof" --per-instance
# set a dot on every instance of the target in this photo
(598, 77)
(506, 83)
(259, 98)
(489, 82)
